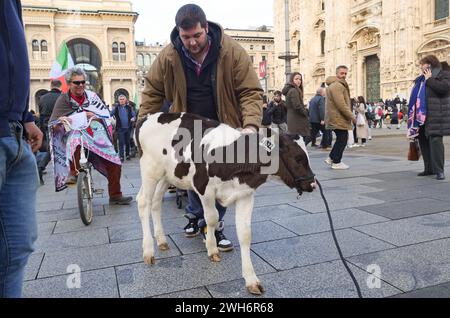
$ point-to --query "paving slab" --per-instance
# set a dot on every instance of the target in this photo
(410, 231)
(182, 273)
(316, 223)
(326, 280)
(91, 237)
(133, 231)
(94, 284)
(200, 292)
(33, 265)
(97, 257)
(70, 214)
(440, 291)
(316, 248)
(102, 221)
(406, 209)
(261, 232)
(411, 267)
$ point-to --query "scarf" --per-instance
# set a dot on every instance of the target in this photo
(418, 108)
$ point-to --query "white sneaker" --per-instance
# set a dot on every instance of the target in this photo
(356, 146)
(363, 145)
(329, 161)
(339, 166)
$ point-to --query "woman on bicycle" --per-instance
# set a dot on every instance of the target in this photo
(78, 99)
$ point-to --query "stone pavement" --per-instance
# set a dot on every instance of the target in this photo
(386, 218)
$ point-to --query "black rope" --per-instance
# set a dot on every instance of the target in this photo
(358, 289)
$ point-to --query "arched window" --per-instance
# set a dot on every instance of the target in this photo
(44, 49)
(123, 51)
(115, 51)
(44, 46)
(441, 8)
(140, 60)
(35, 49)
(35, 45)
(147, 60)
(322, 42)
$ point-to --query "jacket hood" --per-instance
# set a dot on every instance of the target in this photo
(215, 31)
(333, 79)
(287, 88)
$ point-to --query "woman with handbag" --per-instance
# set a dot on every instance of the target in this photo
(429, 115)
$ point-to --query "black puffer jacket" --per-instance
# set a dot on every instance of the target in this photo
(438, 100)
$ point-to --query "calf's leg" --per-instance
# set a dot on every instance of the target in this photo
(244, 209)
(161, 240)
(211, 219)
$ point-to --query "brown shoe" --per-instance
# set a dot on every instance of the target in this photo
(120, 200)
(72, 180)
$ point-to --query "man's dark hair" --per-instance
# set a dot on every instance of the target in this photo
(55, 83)
(189, 15)
(277, 93)
(430, 59)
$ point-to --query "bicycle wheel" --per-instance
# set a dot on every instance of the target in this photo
(85, 197)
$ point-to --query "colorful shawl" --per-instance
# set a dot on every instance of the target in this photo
(418, 108)
(96, 140)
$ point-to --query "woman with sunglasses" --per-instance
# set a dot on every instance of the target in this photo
(78, 99)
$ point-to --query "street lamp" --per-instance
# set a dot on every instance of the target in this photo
(287, 56)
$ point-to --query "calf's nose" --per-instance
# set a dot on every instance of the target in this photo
(314, 186)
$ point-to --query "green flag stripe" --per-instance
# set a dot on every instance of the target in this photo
(62, 56)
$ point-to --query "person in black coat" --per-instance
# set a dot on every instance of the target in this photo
(437, 122)
(46, 104)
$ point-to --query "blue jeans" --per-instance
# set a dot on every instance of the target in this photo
(124, 135)
(194, 206)
(18, 227)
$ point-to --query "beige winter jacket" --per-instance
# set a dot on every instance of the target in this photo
(339, 113)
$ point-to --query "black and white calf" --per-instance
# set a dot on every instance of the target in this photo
(218, 163)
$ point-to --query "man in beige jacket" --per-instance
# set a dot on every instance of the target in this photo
(339, 115)
(205, 72)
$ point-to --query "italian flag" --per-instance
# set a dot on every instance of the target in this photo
(63, 62)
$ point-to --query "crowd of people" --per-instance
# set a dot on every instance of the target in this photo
(215, 79)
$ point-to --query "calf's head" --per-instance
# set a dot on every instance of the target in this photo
(294, 167)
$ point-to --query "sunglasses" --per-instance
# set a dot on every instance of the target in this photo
(78, 83)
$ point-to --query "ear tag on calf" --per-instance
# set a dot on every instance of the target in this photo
(268, 144)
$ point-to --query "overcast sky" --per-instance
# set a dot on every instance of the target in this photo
(157, 17)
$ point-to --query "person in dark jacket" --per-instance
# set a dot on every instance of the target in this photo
(46, 104)
(278, 112)
(297, 114)
(19, 138)
(317, 118)
(437, 123)
(125, 117)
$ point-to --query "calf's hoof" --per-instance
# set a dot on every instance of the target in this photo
(163, 247)
(215, 258)
(149, 260)
(255, 289)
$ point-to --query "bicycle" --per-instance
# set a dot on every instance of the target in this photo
(85, 182)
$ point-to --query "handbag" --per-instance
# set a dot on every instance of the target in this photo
(414, 150)
(360, 122)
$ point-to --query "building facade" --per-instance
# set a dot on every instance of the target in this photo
(145, 56)
(382, 42)
(100, 38)
(260, 45)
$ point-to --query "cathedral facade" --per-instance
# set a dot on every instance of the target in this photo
(381, 41)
